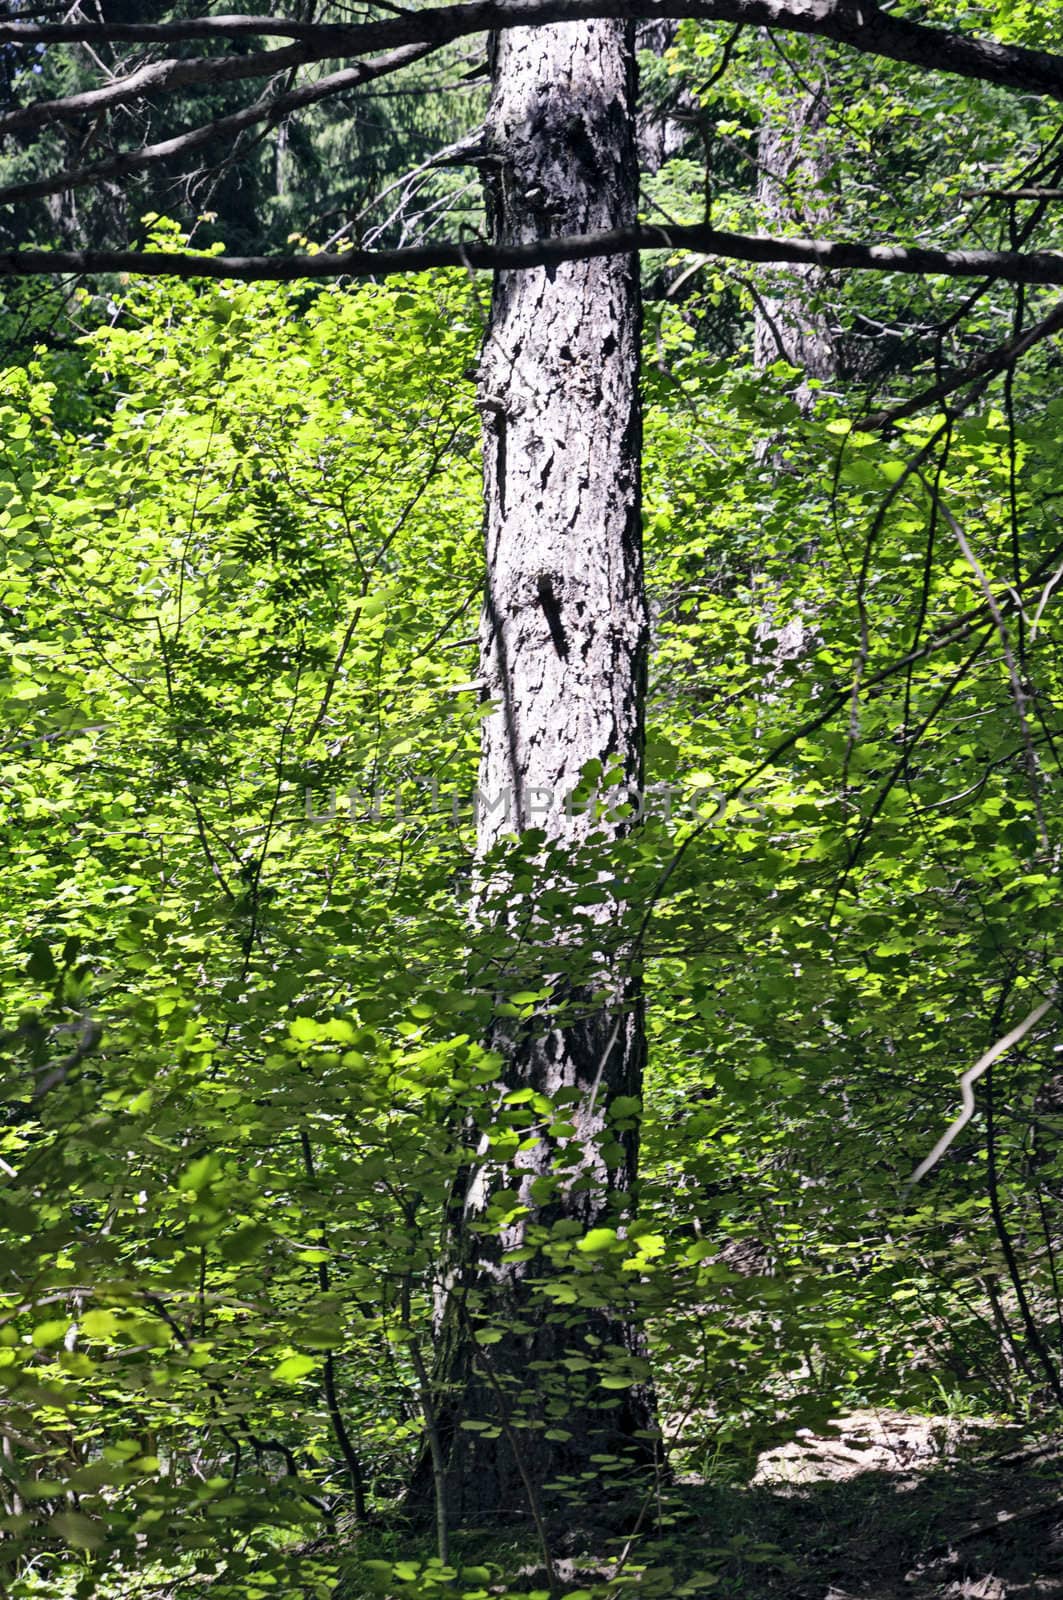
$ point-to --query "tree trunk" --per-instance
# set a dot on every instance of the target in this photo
(791, 322)
(563, 651)
(793, 157)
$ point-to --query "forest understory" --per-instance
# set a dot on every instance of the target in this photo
(881, 1505)
(531, 800)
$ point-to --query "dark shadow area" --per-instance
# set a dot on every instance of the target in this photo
(985, 1523)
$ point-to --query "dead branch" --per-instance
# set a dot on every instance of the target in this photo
(1011, 266)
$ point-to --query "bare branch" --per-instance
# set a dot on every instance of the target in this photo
(268, 110)
(988, 365)
(166, 33)
(91, 1034)
(155, 76)
(1011, 266)
(970, 1078)
(857, 23)
(1032, 193)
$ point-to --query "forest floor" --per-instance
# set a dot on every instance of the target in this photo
(889, 1507)
(880, 1506)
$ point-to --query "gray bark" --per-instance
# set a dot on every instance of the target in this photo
(659, 134)
(792, 324)
(563, 647)
(793, 156)
(563, 636)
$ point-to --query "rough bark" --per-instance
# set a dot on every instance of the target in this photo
(659, 132)
(791, 321)
(803, 315)
(563, 647)
(793, 157)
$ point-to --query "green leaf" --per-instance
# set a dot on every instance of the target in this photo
(98, 1324)
(305, 1030)
(51, 1332)
(599, 1241)
(292, 1368)
(84, 1533)
(245, 1243)
(200, 1174)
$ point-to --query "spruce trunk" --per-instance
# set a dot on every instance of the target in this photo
(522, 1417)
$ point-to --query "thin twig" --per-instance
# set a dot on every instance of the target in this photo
(970, 1078)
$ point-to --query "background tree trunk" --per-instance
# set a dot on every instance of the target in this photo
(791, 321)
(563, 652)
(794, 154)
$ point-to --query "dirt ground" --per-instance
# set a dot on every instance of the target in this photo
(886, 1506)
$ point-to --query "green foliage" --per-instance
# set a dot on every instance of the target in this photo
(183, 681)
(242, 1024)
(245, 1007)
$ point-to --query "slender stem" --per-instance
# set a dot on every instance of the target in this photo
(339, 1427)
(1033, 1332)
(435, 1450)
(529, 1487)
